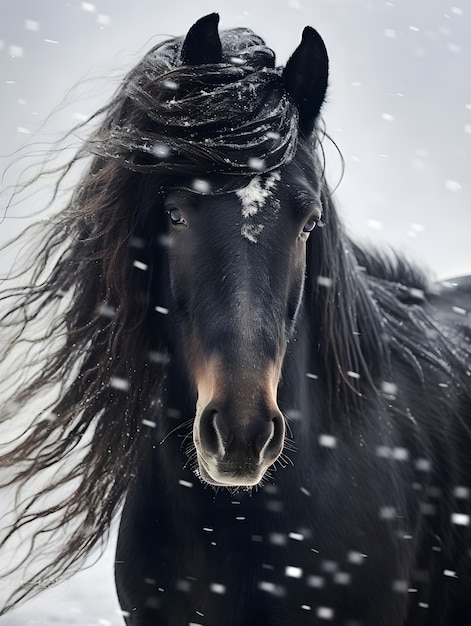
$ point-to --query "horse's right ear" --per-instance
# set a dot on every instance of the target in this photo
(305, 76)
(202, 44)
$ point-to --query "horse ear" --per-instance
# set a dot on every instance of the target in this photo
(305, 76)
(202, 44)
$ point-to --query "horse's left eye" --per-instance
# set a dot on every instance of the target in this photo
(176, 217)
(310, 225)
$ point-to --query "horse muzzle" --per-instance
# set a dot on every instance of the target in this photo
(238, 430)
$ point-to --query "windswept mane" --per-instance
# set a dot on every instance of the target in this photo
(78, 320)
(372, 311)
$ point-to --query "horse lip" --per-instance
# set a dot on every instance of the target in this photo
(226, 479)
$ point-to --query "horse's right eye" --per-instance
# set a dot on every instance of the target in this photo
(176, 217)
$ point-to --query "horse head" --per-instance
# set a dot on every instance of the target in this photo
(237, 262)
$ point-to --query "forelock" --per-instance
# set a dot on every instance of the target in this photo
(219, 122)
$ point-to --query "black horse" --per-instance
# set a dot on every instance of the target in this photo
(325, 474)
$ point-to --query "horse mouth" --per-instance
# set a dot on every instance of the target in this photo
(209, 473)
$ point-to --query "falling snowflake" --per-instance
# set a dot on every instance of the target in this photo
(389, 389)
(256, 164)
(355, 375)
(122, 384)
(140, 265)
(161, 150)
(400, 586)
(201, 186)
(324, 281)
(217, 588)
(324, 612)
(32, 25)
(327, 441)
(460, 519)
(149, 423)
(16, 51)
(461, 493)
(293, 572)
(185, 483)
(387, 512)
(296, 536)
(452, 185)
(88, 7)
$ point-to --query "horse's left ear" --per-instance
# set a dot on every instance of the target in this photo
(305, 76)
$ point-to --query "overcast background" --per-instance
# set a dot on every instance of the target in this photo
(399, 108)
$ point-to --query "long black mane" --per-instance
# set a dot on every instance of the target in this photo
(84, 330)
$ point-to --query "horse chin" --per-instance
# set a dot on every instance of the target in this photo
(231, 479)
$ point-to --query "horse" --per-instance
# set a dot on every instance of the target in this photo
(280, 416)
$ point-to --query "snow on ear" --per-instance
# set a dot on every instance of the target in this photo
(305, 76)
(202, 44)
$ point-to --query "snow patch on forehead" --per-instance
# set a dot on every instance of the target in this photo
(254, 196)
(251, 231)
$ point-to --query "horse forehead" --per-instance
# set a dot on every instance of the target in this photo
(257, 195)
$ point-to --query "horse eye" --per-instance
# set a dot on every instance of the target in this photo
(310, 225)
(176, 217)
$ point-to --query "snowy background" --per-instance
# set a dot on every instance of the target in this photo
(399, 108)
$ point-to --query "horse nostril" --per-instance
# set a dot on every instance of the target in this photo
(209, 436)
(274, 444)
